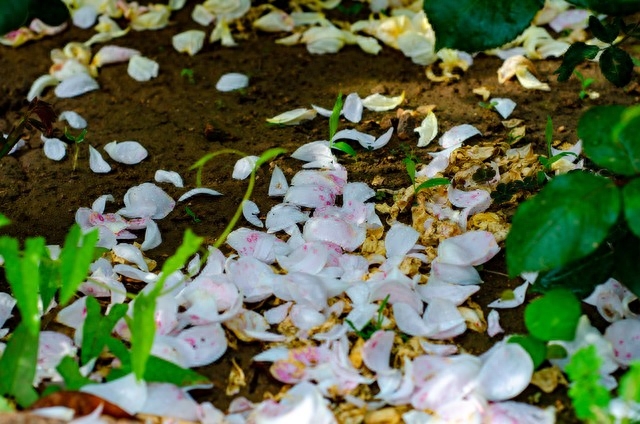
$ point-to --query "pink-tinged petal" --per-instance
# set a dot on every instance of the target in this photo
(52, 347)
(472, 201)
(455, 274)
(253, 278)
(438, 349)
(209, 414)
(493, 323)
(398, 293)
(305, 317)
(402, 393)
(506, 371)
(354, 267)
(310, 196)
(278, 185)
(624, 336)
(443, 319)
(243, 167)
(125, 392)
(250, 211)
(113, 54)
(256, 244)
(400, 239)
(456, 135)
(311, 257)
(317, 154)
(376, 352)
(302, 288)
(436, 288)
(451, 383)
(471, 248)
(131, 254)
(468, 411)
(283, 216)
(612, 301)
(303, 404)
(167, 400)
(147, 200)
(277, 314)
(334, 179)
(519, 294)
(409, 321)
(208, 342)
(335, 230)
(173, 350)
(570, 19)
(73, 316)
(352, 108)
(518, 412)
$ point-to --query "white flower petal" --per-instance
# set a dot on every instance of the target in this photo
(283, 216)
(456, 135)
(202, 16)
(168, 400)
(85, 16)
(278, 185)
(503, 106)
(131, 254)
(352, 108)
(243, 167)
(250, 212)
(376, 352)
(126, 392)
(293, 117)
(146, 200)
(232, 81)
(274, 21)
(38, 86)
(471, 248)
(54, 148)
(380, 141)
(97, 162)
(427, 130)
(351, 134)
(493, 323)
(108, 55)
(443, 319)
(52, 347)
(196, 191)
(142, 69)
(73, 118)
(162, 176)
(76, 85)
(188, 41)
(506, 371)
(335, 230)
(400, 239)
(127, 152)
(624, 336)
(317, 153)
(519, 294)
(379, 103)
(152, 237)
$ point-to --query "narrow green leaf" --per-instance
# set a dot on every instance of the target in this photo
(603, 32)
(34, 250)
(433, 182)
(344, 147)
(334, 119)
(477, 25)
(568, 219)
(75, 259)
(553, 316)
(18, 365)
(70, 372)
(616, 65)
(268, 155)
(630, 383)
(575, 55)
(410, 166)
(548, 135)
(143, 329)
(49, 280)
(535, 347)
(610, 142)
(97, 328)
(162, 371)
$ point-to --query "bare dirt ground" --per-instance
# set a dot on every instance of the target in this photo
(179, 121)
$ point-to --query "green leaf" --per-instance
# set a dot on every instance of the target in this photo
(631, 205)
(535, 347)
(268, 155)
(585, 390)
(568, 219)
(97, 328)
(334, 119)
(610, 7)
(580, 276)
(616, 65)
(548, 134)
(51, 12)
(477, 25)
(75, 259)
(619, 154)
(4, 221)
(575, 55)
(70, 372)
(433, 182)
(630, 383)
(344, 147)
(162, 371)
(553, 316)
(603, 32)
(13, 15)
(49, 279)
(18, 365)
(626, 253)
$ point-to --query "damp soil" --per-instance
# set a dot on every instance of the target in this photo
(179, 121)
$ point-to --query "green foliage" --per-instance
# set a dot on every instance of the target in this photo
(477, 25)
(192, 214)
(188, 74)
(504, 192)
(535, 347)
(585, 83)
(586, 392)
(374, 325)
(546, 162)
(630, 383)
(334, 120)
(17, 13)
(97, 329)
(553, 316)
(410, 163)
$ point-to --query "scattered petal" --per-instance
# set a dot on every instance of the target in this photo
(456, 135)
(243, 167)
(127, 152)
(76, 85)
(427, 130)
(503, 106)
(196, 191)
(54, 148)
(379, 103)
(293, 117)
(73, 118)
(278, 185)
(250, 212)
(97, 162)
(172, 177)
(352, 109)
(232, 81)
(38, 86)
(188, 41)
(519, 294)
(142, 69)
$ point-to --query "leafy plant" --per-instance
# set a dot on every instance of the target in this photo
(45, 117)
(581, 216)
(546, 162)
(76, 144)
(410, 163)
(334, 119)
(17, 13)
(585, 83)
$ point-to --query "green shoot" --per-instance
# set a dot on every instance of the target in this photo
(488, 105)
(584, 82)
(192, 214)
(76, 141)
(334, 119)
(367, 331)
(551, 158)
(410, 163)
(188, 74)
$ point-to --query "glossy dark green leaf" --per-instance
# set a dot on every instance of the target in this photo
(627, 269)
(477, 25)
(553, 316)
(616, 65)
(580, 276)
(603, 31)
(631, 205)
(618, 153)
(75, 258)
(610, 7)
(567, 220)
(18, 365)
(13, 15)
(51, 12)
(577, 53)
(535, 347)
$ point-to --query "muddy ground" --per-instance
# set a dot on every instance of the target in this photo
(179, 121)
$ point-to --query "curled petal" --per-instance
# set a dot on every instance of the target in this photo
(293, 117)
(126, 392)
(188, 41)
(208, 342)
(196, 191)
(376, 352)
(519, 294)
(127, 152)
(147, 201)
(379, 103)
(352, 109)
(243, 167)
(162, 176)
(38, 86)
(471, 248)
(250, 212)
(624, 336)
(493, 323)
(73, 118)
(131, 254)
(456, 135)
(97, 162)
(113, 54)
(506, 371)
(427, 130)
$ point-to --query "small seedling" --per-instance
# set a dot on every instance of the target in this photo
(488, 105)
(584, 83)
(551, 158)
(76, 143)
(44, 122)
(374, 325)
(410, 163)
(192, 214)
(334, 119)
(188, 74)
